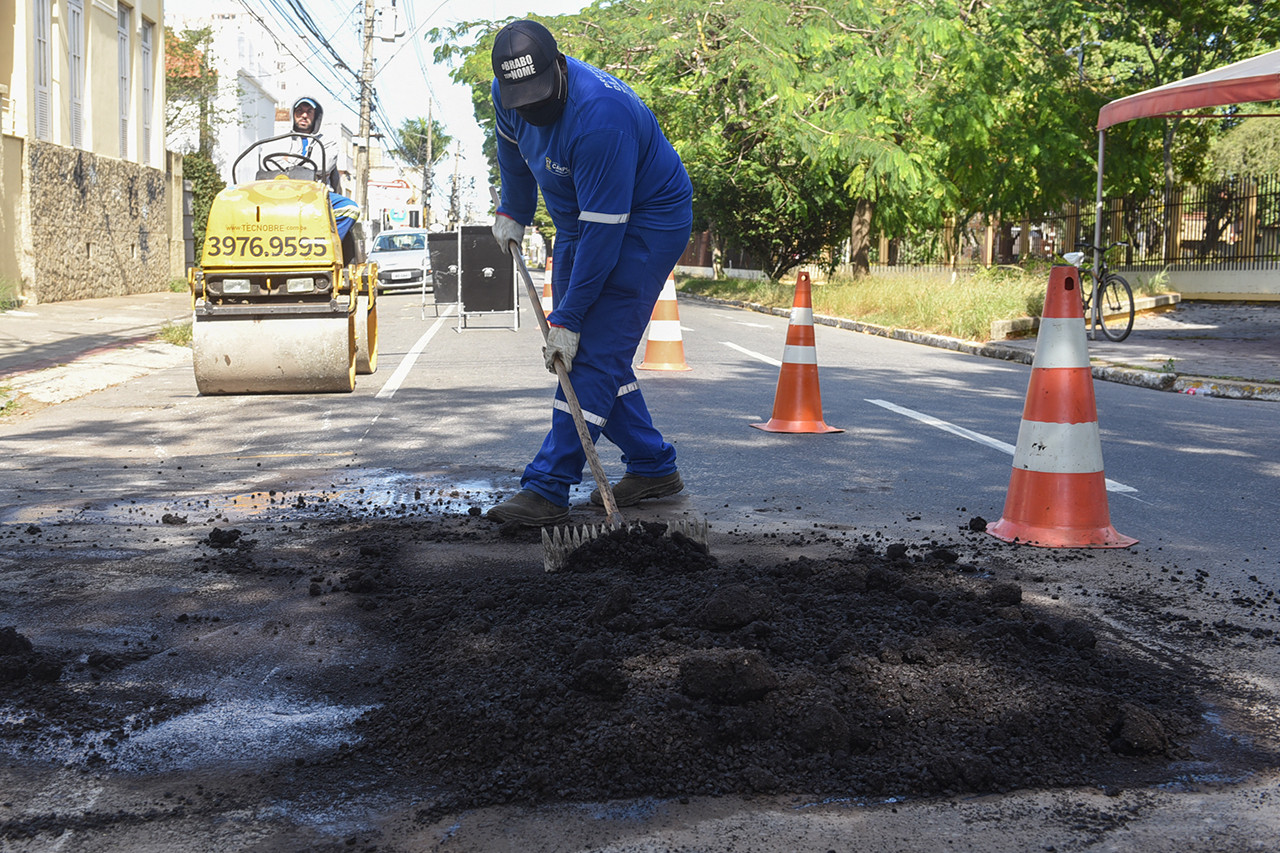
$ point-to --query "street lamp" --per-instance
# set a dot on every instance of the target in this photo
(1078, 51)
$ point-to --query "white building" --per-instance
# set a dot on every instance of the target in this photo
(88, 196)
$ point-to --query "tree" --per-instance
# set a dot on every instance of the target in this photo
(802, 124)
(191, 86)
(1250, 147)
(422, 142)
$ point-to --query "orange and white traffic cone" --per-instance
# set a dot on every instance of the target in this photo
(665, 349)
(546, 288)
(797, 405)
(1057, 493)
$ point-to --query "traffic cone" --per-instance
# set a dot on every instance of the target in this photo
(1057, 493)
(546, 288)
(797, 406)
(665, 349)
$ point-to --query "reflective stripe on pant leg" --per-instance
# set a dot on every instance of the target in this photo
(630, 427)
(559, 462)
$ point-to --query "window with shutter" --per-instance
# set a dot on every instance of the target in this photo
(43, 69)
(148, 30)
(75, 62)
(122, 35)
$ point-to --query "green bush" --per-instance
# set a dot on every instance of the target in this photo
(205, 184)
(10, 294)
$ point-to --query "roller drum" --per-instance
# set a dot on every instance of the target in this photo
(366, 321)
(275, 354)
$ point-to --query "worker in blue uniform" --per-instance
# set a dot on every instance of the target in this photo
(621, 202)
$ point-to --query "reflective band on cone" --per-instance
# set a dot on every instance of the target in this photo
(665, 349)
(1057, 493)
(546, 288)
(797, 406)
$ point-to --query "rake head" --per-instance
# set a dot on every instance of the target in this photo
(558, 543)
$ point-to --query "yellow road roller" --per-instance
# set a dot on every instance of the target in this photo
(277, 307)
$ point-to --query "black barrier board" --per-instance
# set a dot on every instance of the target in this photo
(443, 249)
(488, 277)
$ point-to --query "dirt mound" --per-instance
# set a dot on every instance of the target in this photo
(651, 669)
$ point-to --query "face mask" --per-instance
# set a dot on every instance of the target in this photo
(542, 113)
(546, 112)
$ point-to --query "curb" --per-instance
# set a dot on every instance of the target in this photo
(1025, 326)
(1152, 379)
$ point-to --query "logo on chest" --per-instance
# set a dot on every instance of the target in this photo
(556, 169)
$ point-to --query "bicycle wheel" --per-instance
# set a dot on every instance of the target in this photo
(1086, 293)
(1116, 308)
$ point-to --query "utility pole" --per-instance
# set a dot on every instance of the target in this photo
(366, 107)
(427, 170)
(455, 198)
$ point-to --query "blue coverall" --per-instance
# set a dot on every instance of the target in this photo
(621, 202)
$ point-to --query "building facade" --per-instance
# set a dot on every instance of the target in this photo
(90, 202)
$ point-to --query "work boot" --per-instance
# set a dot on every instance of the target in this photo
(633, 488)
(529, 508)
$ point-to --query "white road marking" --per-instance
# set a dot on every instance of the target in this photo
(755, 355)
(1112, 485)
(393, 384)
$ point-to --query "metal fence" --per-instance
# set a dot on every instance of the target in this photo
(1233, 224)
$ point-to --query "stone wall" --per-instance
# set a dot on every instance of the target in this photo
(98, 226)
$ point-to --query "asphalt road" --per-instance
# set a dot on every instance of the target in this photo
(926, 447)
(927, 442)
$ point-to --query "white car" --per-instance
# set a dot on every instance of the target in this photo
(401, 255)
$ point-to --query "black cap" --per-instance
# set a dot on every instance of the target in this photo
(524, 63)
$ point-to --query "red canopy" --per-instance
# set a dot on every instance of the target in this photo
(1256, 79)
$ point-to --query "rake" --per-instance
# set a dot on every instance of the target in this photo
(558, 543)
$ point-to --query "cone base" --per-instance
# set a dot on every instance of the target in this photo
(1058, 537)
(775, 425)
(644, 365)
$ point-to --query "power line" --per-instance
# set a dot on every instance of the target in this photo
(343, 88)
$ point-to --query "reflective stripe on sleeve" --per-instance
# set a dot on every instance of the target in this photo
(603, 218)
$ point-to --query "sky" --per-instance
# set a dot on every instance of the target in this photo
(405, 76)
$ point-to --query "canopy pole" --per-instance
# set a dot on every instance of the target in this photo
(1095, 305)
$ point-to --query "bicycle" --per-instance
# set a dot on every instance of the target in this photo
(1112, 310)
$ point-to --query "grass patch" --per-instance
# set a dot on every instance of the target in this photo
(10, 294)
(178, 285)
(178, 334)
(960, 306)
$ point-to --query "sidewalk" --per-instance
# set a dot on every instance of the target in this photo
(1218, 349)
(39, 336)
(62, 350)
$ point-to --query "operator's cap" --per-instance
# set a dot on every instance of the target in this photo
(524, 63)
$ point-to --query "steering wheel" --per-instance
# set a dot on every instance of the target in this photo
(283, 161)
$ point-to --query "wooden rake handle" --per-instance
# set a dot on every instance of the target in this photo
(612, 515)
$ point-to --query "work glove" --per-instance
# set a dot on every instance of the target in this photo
(563, 343)
(506, 229)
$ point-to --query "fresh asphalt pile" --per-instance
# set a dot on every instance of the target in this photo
(648, 668)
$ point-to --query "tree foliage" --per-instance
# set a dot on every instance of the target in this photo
(796, 119)
(191, 88)
(206, 183)
(421, 143)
